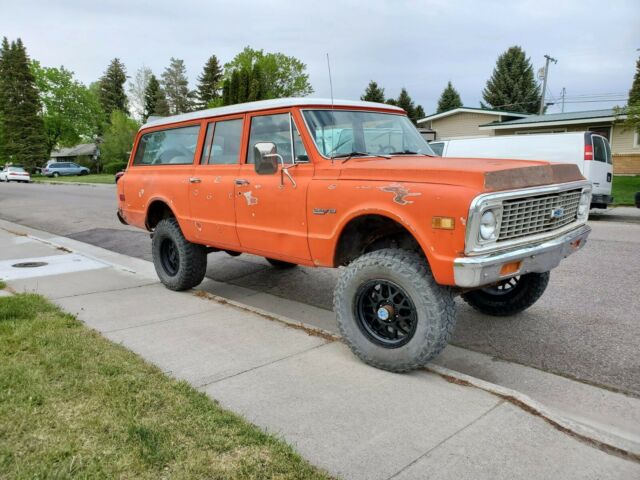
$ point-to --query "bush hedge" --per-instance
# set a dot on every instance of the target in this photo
(114, 167)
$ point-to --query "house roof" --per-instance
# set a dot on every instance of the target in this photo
(551, 119)
(486, 111)
(76, 151)
(266, 105)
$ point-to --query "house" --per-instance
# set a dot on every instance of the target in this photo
(462, 122)
(85, 153)
(625, 144)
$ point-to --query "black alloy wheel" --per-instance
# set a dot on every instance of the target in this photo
(169, 257)
(385, 313)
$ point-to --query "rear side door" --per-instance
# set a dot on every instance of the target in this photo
(271, 208)
(600, 169)
(211, 185)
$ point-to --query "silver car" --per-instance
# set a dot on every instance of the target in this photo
(57, 169)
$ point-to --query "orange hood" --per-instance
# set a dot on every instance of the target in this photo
(478, 173)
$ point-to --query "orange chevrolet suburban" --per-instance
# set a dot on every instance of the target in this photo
(353, 184)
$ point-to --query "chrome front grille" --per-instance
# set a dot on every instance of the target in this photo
(538, 214)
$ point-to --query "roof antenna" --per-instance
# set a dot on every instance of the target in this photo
(331, 88)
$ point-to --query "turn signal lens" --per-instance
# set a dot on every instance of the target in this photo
(444, 223)
(509, 268)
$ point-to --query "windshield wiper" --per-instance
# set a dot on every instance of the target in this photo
(350, 155)
(405, 152)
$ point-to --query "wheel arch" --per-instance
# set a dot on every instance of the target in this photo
(157, 210)
(372, 230)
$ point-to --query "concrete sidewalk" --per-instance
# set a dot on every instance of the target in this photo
(355, 421)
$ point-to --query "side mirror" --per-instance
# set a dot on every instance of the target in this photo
(266, 156)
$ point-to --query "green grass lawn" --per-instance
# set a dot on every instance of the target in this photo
(74, 405)
(92, 178)
(624, 189)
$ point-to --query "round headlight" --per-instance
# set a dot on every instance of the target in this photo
(488, 225)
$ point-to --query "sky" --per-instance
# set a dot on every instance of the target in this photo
(419, 45)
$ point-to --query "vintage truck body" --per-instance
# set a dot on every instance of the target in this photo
(338, 183)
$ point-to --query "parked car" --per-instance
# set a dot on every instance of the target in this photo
(57, 169)
(328, 183)
(589, 151)
(14, 174)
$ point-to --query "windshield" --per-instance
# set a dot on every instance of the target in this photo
(343, 133)
(16, 169)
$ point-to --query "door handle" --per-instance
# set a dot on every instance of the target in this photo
(194, 180)
(241, 181)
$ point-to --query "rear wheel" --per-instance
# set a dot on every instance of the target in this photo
(391, 312)
(180, 264)
(510, 296)
(279, 264)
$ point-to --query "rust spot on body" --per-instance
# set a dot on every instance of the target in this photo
(251, 200)
(400, 194)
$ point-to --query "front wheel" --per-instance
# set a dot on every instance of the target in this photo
(391, 312)
(510, 296)
(180, 264)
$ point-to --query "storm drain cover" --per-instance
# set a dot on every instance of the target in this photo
(29, 264)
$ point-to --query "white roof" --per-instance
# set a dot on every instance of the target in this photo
(266, 105)
(435, 116)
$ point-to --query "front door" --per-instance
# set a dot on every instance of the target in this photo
(271, 209)
(211, 185)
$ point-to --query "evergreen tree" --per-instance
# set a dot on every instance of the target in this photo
(405, 102)
(634, 93)
(176, 87)
(512, 86)
(257, 87)
(161, 104)
(245, 85)
(373, 93)
(391, 101)
(150, 97)
(226, 92)
(232, 94)
(420, 113)
(209, 82)
(449, 99)
(112, 94)
(24, 140)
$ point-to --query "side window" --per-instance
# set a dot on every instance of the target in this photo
(168, 147)
(298, 147)
(599, 150)
(608, 149)
(225, 149)
(271, 128)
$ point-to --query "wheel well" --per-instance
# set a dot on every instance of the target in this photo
(372, 232)
(156, 212)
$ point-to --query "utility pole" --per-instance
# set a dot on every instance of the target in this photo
(544, 82)
(564, 92)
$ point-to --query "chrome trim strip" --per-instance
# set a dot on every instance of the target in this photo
(494, 199)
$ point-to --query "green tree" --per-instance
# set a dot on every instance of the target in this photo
(284, 76)
(405, 102)
(150, 97)
(449, 99)
(634, 92)
(257, 87)
(71, 113)
(24, 140)
(420, 113)
(176, 87)
(112, 94)
(373, 93)
(137, 89)
(118, 138)
(161, 104)
(512, 86)
(208, 90)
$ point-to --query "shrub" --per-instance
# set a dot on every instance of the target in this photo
(114, 167)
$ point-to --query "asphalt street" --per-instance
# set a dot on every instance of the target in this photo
(586, 326)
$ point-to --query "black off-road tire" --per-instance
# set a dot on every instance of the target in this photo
(192, 258)
(528, 289)
(434, 309)
(280, 264)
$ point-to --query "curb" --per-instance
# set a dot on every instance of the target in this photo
(86, 184)
(612, 444)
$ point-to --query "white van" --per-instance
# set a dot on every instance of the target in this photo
(589, 151)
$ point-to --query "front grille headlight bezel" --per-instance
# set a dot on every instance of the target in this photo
(476, 245)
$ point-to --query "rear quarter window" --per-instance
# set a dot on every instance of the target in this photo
(176, 146)
(599, 149)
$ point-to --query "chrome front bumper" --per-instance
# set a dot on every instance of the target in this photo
(483, 270)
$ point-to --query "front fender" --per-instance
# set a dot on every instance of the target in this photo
(333, 204)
